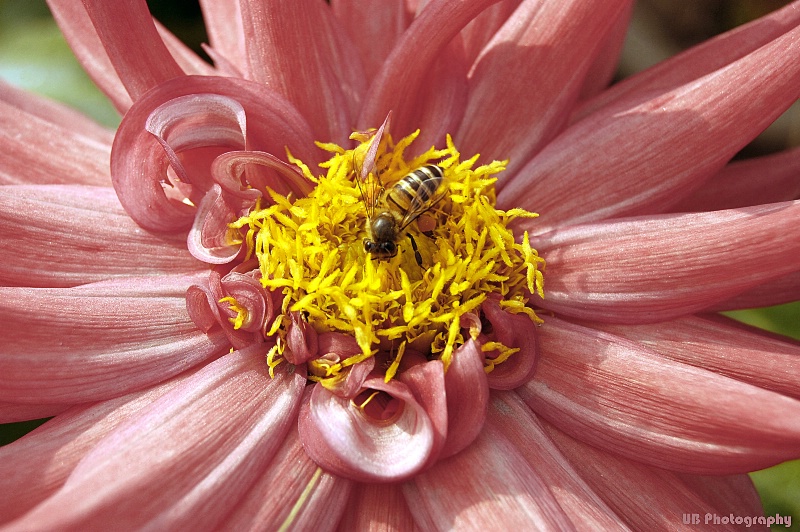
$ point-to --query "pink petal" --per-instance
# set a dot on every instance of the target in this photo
(37, 465)
(413, 56)
(342, 440)
(58, 235)
(233, 167)
(606, 62)
(374, 30)
(440, 106)
(429, 383)
(139, 163)
(68, 346)
(140, 68)
(38, 150)
(467, 392)
(646, 498)
(185, 461)
(56, 114)
(734, 494)
(82, 37)
(626, 399)
(512, 417)
(301, 339)
(488, 486)
(208, 311)
(648, 155)
(223, 21)
(642, 270)
(188, 61)
(335, 347)
(327, 90)
(778, 291)
(526, 80)
(723, 346)
(514, 331)
(698, 61)
(768, 179)
(279, 497)
(377, 507)
(15, 412)
(207, 240)
(196, 121)
(482, 28)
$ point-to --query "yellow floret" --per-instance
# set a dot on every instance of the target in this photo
(311, 249)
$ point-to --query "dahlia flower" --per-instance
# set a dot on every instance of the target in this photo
(226, 338)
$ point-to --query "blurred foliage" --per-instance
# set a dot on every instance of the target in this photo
(34, 56)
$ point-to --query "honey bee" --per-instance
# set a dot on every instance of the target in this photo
(390, 211)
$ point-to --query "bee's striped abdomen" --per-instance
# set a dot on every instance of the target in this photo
(416, 191)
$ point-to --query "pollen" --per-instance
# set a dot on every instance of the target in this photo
(312, 251)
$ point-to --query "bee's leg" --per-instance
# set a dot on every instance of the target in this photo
(429, 234)
(416, 250)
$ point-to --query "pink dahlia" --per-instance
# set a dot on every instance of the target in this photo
(226, 337)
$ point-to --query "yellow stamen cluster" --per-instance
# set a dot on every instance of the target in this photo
(311, 249)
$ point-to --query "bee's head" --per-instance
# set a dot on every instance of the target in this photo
(380, 250)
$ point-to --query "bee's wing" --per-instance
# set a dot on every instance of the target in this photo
(368, 186)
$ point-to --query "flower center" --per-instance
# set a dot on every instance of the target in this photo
(389, 250)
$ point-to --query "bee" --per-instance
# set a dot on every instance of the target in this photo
(390, 211)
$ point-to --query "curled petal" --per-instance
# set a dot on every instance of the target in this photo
(197, 121)
(622, 397)
(256, 300)
(642, 270)
(233, 168)
(467, 391)
(139, 164)
(335, 347)
(207, 307)
(515, 331)
(301, 339)
(428, 383)
(345, 440)
(208, 238)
